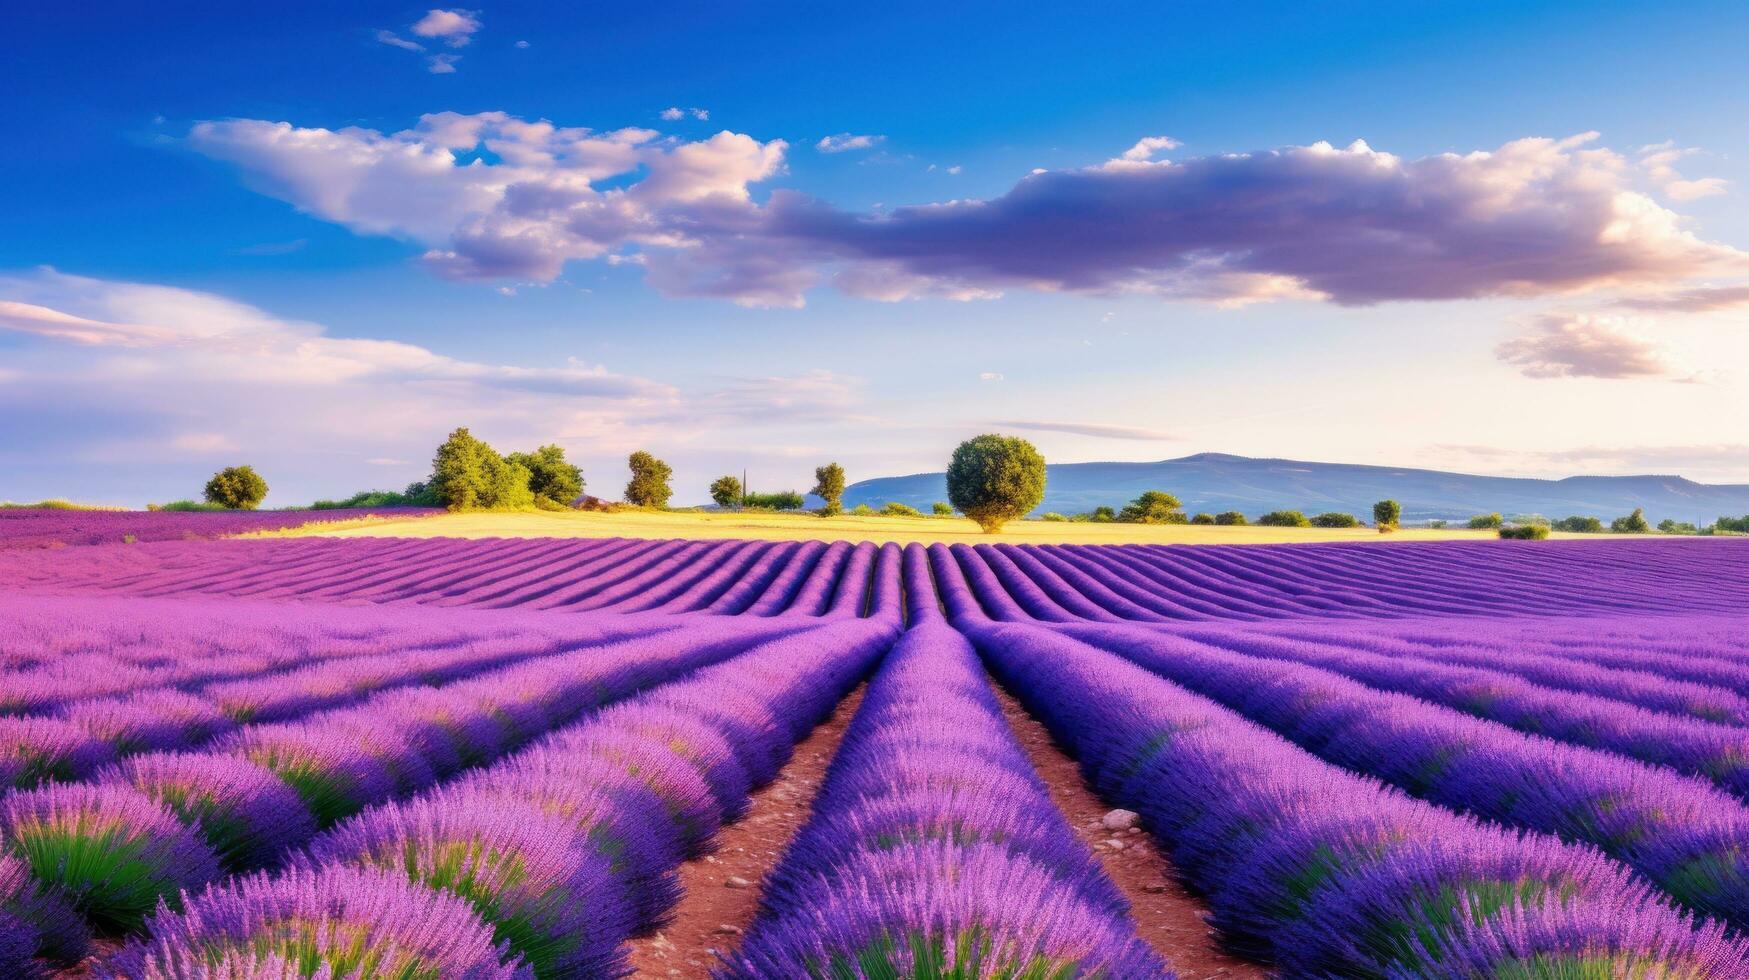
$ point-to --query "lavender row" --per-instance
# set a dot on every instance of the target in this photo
(719, 577)
(83, 735)
(1684, 834)
(45, 528)
(60, 651)
(934, 849)
(1154, 583)
(1331, 874)
(563, 851)
(164, 822)
(1691, 664)
(1712, 751)
(1050, 583)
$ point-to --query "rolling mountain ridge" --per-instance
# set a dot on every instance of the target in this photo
(1214, 482)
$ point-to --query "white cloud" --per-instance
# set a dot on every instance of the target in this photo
(1098, 430)
(194, 336)
(442, 64)
(148, 380)
(1145, 148)
(493, 196)
(673, 113)
(844, 142)
(1659, 162)
(454, 27)
(1584, 346)
(1700, 299)
(523, 45)
(990, 376)
(520, 218)
(397, 41)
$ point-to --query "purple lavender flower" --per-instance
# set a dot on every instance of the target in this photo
(148, 721)
(245, 812)
(35, 749)
(35, 921)
(112, 850)
(333, 922)
(330, 771)
(529, 874)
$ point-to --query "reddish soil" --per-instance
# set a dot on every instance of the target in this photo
(711, 915)
(1168, 918)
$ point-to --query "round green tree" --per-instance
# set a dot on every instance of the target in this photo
(1387, 514)
(726, 491)
(649, 483)
(553, 480)
(829, 486)
(1152, 507)
(236, 488)
(995, 479)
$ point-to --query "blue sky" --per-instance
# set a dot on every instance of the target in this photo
(234, 237)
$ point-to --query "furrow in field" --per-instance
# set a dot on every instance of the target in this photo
(578, 838)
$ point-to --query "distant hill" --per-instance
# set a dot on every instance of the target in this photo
(1215, 482)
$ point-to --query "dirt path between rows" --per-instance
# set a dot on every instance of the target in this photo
(712, 915)
(1168, 918)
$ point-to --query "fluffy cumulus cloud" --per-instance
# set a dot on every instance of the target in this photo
(453, 27)
(134, 378)
(845, 142)
(494, 196)
(1584, 346)
(1659, 162)
(185, 335)
(674, 113)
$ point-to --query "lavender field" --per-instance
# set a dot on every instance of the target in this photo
(512, 758)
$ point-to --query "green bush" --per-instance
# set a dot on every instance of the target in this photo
(942, 509)
(1735, 525)
(1053, 517)
(1284, 518)
(1202, 519)
(1524, 532)
(1634, 523)
(829, 486)
(1438, 524)
(1102, 515)
(862, 510)
(726, 491)
(896, 509)
(1231, 518)
(1669, 526)
(551, 479)
(236, 488)
(781, 500)
(1387, 514)
(186, 506)
(995, 479)
(373, 499)
(1483, 522)
(1331, 518)
(649, 483)
(1579, 525)
(1152, 507)
(467, 474)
